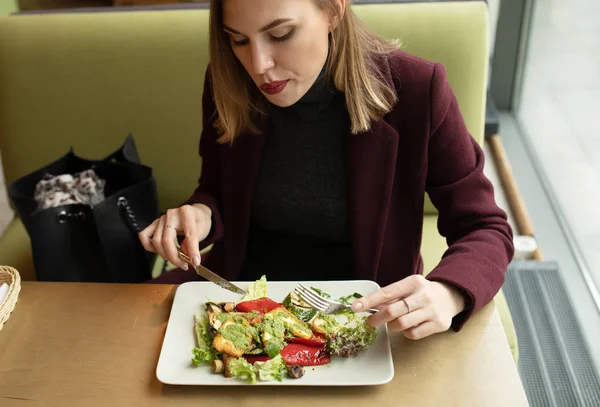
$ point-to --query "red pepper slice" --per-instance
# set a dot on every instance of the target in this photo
(297, 354)
(303, 355)
(256, 358)
(263, 305)
(314, 341)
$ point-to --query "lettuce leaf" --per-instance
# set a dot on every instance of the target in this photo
(257, 289)
(242, 369)
(349, 334)
(320, 292)
(349, 299)
(204, 352)
(273, 369)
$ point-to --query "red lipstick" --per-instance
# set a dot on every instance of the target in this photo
(273, 88)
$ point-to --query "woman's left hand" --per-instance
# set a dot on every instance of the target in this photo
(414, 306)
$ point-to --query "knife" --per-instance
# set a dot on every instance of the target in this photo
(211, 276)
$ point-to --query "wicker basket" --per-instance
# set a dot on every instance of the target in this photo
(11, 277)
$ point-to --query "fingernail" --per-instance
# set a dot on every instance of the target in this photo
(196, 261)
(357, 306)
(185, 267)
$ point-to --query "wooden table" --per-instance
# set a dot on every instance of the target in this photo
(80, 345)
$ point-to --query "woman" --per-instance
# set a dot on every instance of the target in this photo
(320, 140)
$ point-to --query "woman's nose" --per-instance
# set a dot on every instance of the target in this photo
(262, 59)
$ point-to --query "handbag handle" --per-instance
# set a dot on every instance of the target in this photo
(131, 220)
(127, 212)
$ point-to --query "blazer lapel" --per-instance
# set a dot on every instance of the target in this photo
(371, 168)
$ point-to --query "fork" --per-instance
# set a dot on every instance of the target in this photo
(322, 304)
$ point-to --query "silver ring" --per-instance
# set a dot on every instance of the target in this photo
(172, 227)
(407, 307)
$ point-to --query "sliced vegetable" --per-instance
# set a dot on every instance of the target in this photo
(304, 355)
(262, 305)
(315, 341)
(257, 358)
(297, 307)
(218, 366)
(227, 306)
(214, 311)
(227, 359)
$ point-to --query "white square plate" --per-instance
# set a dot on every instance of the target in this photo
(372, 367)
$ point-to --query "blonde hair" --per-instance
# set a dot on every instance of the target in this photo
(352, 64)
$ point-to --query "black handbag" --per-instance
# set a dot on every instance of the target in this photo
(76, 242)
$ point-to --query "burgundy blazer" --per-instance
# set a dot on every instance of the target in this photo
(421, 146)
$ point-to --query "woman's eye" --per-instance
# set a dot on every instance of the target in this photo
(282, 37)
(239, 42)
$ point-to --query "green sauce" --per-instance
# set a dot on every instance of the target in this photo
(239, 318)
(330, 324)
(255, 332)
(274, 326)
(222, 317)
(236, 334)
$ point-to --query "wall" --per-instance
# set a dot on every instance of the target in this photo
(7, 7)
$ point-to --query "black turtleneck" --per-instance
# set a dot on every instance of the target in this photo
(299, 219)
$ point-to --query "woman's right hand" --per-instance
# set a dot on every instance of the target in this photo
(192, 221)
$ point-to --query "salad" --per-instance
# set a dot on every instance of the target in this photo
(259, 339)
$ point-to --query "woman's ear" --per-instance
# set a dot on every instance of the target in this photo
(340, 8)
